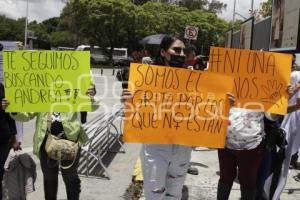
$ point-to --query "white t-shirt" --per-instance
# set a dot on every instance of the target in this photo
(246, 129)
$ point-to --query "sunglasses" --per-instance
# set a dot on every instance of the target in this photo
(178, 49)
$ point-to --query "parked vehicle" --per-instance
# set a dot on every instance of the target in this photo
(11, 45)
(65, 48)
(97, 55)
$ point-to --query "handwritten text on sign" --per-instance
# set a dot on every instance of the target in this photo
(260, 78)
(41, 81)
(176, 106)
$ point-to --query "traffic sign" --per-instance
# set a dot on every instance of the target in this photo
(191, 32)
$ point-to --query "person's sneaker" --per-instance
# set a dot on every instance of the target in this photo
(192, 171)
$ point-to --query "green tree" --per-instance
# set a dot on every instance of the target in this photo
(211, 29)
(236, 25)
(51, 24)
(210, 6)
(140, 2)
(266, 8)
(11, 29)
(61, 38)
(104, 22)
(216, 7)
(162, 18)
(39, 29)
(72, 19)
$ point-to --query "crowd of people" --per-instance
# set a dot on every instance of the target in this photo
(249, 145)
(247, 152)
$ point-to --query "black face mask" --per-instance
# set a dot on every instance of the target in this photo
(176, 61)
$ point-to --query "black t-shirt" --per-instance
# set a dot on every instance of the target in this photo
(56, 124)
(7, 124)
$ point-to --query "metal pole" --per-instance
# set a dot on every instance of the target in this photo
(252, 11)
(26, 22)
(233, 15)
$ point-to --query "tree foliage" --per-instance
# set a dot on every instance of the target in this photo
(11, 29)
(122, 23)
(140, 2)
(209, 6)
(266, 8)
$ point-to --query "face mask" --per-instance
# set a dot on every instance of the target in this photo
(177, 61)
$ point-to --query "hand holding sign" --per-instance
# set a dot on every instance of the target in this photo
(260, 78)
(4, 104)
(41, 81)
(176, 106)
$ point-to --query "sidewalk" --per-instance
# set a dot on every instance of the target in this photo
(204, 186)
(97, 188)
(200, 187)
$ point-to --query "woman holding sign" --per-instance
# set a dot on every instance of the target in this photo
(7, 137)
(165, 166)
(60, 126)
(243, 152)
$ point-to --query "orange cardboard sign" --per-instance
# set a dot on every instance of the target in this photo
(176, 106)
(260, 78)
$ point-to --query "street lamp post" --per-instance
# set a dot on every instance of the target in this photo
(233, 16)
(252, 11)
(236, 13)
(26, 23)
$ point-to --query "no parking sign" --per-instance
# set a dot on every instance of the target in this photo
(191, 33)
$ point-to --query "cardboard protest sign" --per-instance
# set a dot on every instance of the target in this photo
(176, 106)
(260, 78)
(42, 81)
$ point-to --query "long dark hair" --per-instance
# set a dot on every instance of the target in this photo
(165, 44)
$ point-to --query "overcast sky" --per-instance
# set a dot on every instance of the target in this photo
(38, 9)
(242, 7)
(43, 9)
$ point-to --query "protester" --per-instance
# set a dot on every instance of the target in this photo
(295, 67)
(294, 158)
(63, 125)
(273, 148)
(7, 137)
(138, 54)
(8, 133)
(290, 125)
(192, 60)
(191, 63)
(11, 46)
(152, 52)
(242, 152)
(165, 166)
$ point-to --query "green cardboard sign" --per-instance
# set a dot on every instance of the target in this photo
(47, 81)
